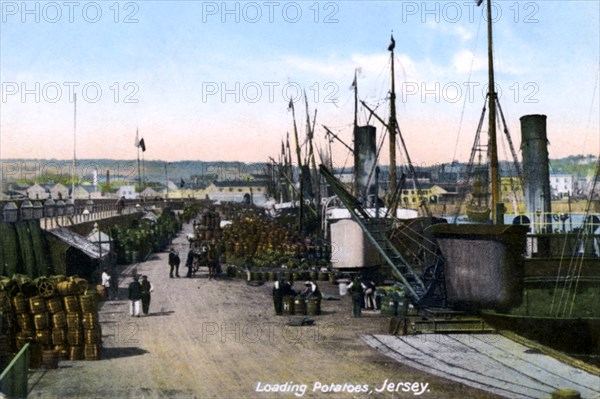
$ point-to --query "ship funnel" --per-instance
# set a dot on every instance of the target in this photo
(536, 174)
(365, 160)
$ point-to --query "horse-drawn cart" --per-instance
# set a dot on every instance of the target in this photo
(204, 255)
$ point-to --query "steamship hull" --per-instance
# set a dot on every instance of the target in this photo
(558, 309)
(483, 264)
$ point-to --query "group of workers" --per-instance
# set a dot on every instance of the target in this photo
(362, 291)
(282, 288)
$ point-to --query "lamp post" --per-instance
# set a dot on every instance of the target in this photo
(49, 209)
(38, 210)
(60, 208)
(11, 212)
(70, 207)
(26, 210)
(89, 208)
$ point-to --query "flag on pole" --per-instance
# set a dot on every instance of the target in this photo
(142, 145)
(479, 2)
(291, 104)
(392, 44)
(182, 183)
(137, 138)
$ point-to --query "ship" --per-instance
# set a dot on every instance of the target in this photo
(524, 275)
(528, 276)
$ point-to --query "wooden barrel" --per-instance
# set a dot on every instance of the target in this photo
(81, 285)
(54, 305)
(93, 336)
(92, 352)
(73, 321)
(24, 322)
(59, 336)
(89, 320)
(43, 337)
(313, 306)
(35, 355)
(66, 288)
(75, 352)
(89, 303)
(288, 305)
(71, 304)
(63, 352)
(300, 305)
(20, 304)
(41, 321)
(37, 304)
(23, 337)
(46, 287)
(59, 320)
(75, 337)
(50, 359)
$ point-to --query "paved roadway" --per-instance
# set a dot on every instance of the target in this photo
(221, 339)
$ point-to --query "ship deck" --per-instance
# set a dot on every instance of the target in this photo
(487, 361)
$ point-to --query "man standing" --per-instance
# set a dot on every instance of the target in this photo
(106, 283)
(146, 289)
(311, 290)
(173, 262)
(369, 288)
(356, 289)
(176, 261)
(189, 263)
(135, 296)
(278, 288)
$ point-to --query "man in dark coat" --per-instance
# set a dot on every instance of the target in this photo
(356, 289)
(135, 296)
(176, 261)
(278, 297)
(189, 263)
(173, 262)
(146, 289)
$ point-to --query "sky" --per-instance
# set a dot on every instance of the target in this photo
(211, 81)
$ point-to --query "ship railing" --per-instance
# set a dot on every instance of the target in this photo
(563, 245)
(557, 222)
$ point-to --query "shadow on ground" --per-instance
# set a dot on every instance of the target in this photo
(115, 353)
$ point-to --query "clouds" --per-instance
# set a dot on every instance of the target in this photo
(209, 84)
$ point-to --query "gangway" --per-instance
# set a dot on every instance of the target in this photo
(375, 229)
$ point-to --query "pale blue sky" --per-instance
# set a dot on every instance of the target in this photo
(208, 83)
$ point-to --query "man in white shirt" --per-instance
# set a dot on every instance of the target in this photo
(106, 283)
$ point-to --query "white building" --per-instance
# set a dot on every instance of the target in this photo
(561, 185)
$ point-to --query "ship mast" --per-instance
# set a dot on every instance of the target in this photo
(497, 206)
(392, 124)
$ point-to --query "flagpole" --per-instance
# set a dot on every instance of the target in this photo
(137, 144)
(143, 171)
(74, 145)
